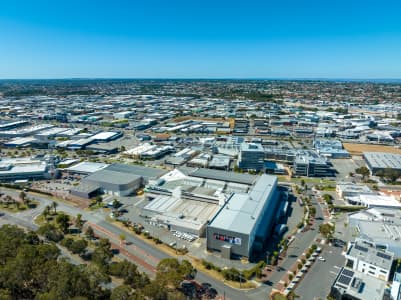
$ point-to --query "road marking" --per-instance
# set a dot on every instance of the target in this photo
(337, 267)
(332, 272)
(139, 202)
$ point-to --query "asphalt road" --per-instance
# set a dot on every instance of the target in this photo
(139, 248)
(151, 255)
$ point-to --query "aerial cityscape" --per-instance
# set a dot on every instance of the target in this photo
(189, 150)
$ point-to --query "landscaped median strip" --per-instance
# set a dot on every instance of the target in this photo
(286, 285)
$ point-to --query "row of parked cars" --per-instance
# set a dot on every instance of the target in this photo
(185, 236)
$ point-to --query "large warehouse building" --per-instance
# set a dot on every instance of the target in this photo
(117, 180)
(379, 161)
(26, 169)
(244, 221)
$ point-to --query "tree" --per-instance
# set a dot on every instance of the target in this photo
(116, 204)
(54, 206)
(46, 212)
(89, 233)
(364, 171)
(98, 199)
(122, 292)
(122, 238)
(102, 254)
(63, 221)
(78, 222)
(171, 272)
(327, 230)
(155, 291)
(22, 196)
(328, 198)
(79, 247)
(389, 174)
(50, 232)
(129, 272)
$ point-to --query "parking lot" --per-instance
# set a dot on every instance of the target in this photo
(134, 205)
(319, 278)
(344, 167)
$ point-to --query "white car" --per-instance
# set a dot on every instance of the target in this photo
(321, 258)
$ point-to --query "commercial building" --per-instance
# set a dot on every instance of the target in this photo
(380, 227)
(245, 220)
(106, 136)
(365, 258)
(86, 168)
(396, 286)
(251, 156)
(371, 201)
(26, 169)
(354, 285)
(115, 183)
(116, 179)
(379, 161)
(348, 189)
(311, 164)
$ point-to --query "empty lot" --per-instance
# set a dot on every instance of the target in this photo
(357, 149)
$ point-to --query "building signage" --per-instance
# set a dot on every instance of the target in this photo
(228, 239)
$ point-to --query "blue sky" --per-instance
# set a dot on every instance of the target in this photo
(200, 39)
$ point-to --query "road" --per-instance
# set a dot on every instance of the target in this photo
(139, 249)
(148, 256)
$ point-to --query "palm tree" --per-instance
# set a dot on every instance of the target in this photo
(79, 222)
(54, 205)
(46, 212)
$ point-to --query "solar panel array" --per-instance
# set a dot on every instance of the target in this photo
(344, 280)
(348, 273)
(360, 248)
(384, 255)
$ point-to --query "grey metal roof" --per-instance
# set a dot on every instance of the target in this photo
(383, 160)
(224, 176)
(242, 211)
(371, 255)
(113, 177)
(359, 285)
(137, 170)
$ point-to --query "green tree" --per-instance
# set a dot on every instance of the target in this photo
(327, 230)
(22, 196)
(63, 221)
(102, 254)
(50, 232)
(116, 203)
(46, 212)
(364, 171)
(155, 291)
(389, 174)
(122, 238)
(89, 233)
(79, 247)
(79, 222)
(171, 272)
(122, 292)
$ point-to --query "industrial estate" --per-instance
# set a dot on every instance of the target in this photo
(269, 189)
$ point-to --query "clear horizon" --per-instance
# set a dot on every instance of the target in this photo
(358, 40)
